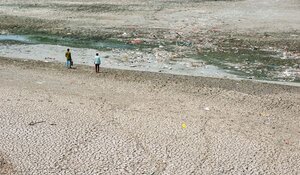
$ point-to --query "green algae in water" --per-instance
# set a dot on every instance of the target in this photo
(14, 39)
(91, 43)
(80, 43)
(258, 64)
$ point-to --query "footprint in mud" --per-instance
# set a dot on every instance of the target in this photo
(5, 166)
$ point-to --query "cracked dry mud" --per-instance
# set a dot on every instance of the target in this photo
(5, 166)
(58, 121)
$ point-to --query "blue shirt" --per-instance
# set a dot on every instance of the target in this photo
(97, 60)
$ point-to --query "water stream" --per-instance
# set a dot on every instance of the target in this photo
(115, 54)
(143, 57)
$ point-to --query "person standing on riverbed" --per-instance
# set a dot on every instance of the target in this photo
(97, 63)
(69, 59)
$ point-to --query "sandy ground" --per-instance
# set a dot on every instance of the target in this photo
(59, 121)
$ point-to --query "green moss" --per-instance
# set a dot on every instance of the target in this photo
(80, 43)
(264, 65)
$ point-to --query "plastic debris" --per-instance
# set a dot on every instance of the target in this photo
(136, 41)
(48, 58)
(34, 123)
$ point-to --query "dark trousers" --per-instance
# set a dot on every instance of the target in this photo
(97, 67)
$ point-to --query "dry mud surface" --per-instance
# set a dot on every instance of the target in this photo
(186, 17)
(59, 121)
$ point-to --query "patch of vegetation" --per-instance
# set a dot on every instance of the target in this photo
(80, 43)
(256, 64)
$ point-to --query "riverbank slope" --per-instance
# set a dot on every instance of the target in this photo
(60, 121)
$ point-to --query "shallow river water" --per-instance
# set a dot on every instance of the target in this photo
(118, 55)
(113, 55)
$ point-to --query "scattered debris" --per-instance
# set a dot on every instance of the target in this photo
(48, 58)
(264, 114)
(34, 123)
(125, 35)
(136, 41)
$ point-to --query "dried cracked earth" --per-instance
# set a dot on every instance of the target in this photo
(58, 121)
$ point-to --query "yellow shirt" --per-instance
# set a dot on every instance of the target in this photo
(68, 55)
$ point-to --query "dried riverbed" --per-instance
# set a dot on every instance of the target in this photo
(194, 35)
(74, 121)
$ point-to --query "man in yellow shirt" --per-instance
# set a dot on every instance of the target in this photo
(69, 58)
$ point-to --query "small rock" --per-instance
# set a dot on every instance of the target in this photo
(4, 32)
(206, 109)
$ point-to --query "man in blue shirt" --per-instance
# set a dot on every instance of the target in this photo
(97, 63)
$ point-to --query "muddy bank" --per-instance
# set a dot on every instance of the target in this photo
(233, 58)
(161, 79)
(114, 54)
